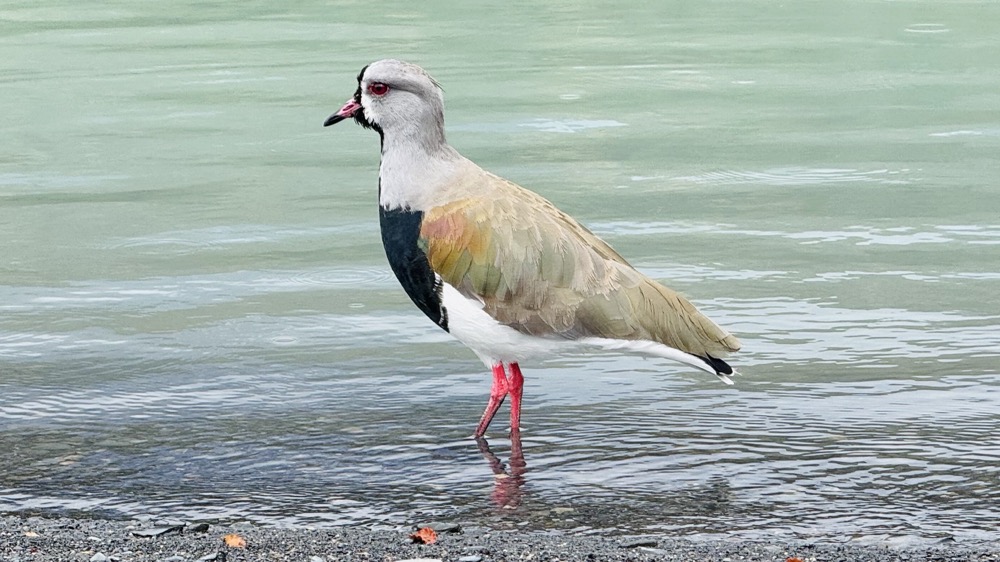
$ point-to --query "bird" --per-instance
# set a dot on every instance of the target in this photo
(498, 266)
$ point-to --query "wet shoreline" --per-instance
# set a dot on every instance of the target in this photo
(100, 540)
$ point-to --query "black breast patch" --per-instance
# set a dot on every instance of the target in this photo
(400, 236)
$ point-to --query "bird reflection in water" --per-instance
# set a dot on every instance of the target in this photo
(509, 478)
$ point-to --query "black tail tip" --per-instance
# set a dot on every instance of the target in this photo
(720, 366)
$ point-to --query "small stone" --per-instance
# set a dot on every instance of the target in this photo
(471, 558)
(442, 527)
(158, 531)
(197, 528)
(421, 560)
(213, 557)
(563, 510)
(99, 557)
(317, 559)
(638, 542)
(174, 558)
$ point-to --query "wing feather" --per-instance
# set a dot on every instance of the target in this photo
(539, 271)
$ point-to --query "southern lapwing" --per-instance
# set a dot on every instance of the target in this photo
(498, 266)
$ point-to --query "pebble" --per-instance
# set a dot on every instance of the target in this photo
(99, 557)
(637, 542)
(441, 527)
(157, 531)
(62, 539)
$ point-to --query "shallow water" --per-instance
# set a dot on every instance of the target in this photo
(196, 319)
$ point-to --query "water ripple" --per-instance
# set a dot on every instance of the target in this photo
(571, 125)
(797, 176)
(171, 293)
(860, 235)
(222, 237)
(926, 28)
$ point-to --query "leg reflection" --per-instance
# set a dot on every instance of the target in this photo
(507, 480)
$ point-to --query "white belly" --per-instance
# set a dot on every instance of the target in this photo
(493, 342)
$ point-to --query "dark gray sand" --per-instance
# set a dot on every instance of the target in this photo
(43, 539)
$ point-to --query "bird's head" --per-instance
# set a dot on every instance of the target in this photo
(395, 98)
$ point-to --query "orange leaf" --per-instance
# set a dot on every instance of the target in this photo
(233, 540)
(425, 535)
(793, 559)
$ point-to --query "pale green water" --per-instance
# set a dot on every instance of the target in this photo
(196, 318)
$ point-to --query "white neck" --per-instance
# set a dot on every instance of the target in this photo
(414, 168)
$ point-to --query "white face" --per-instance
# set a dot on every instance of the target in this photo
(397, 96)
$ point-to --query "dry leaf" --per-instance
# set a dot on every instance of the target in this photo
(425, 535)
(233, 540)
(793, 559)
(30, 534)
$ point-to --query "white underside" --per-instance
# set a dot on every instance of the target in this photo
(494, 342)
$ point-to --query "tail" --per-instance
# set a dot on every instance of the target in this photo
(721, 368)
(706, 363)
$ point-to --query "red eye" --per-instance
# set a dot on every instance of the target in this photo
(378, 89)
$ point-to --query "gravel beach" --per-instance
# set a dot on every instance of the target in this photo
(43, 539)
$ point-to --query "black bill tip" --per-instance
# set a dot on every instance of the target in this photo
(333, 119)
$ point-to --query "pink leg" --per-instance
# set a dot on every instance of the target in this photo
(497, 393)
(516, 386)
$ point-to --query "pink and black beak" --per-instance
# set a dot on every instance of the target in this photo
(353, 110)
(348, 111)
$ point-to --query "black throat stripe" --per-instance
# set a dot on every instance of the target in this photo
(400, 236)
